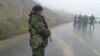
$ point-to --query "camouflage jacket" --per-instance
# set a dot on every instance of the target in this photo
(40, 33)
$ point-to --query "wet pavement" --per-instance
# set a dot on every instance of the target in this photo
(66, 41)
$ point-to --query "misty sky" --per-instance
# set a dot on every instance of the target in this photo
(74, 6)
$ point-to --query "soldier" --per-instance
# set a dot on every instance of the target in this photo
(39, 32)
(80, 20)
(92, 19)
(75, 21)
(85, 21)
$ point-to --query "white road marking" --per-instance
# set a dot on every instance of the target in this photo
(83, 41)
(66, 48)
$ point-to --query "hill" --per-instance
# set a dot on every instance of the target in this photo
(14, 17)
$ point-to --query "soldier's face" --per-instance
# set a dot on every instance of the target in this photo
(39, 12)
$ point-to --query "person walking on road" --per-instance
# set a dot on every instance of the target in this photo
(92, 20)
(80, 20)
(75, 21)
(85, 21)
(39, 32)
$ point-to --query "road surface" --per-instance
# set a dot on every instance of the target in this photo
(67, 41)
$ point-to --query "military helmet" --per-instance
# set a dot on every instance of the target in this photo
(37, 8)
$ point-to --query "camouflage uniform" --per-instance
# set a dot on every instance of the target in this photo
(39, 35)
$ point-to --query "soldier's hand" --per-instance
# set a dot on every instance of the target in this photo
(50, 39)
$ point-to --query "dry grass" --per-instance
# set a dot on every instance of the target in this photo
(13, 18)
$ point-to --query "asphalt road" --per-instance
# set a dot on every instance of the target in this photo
(66, 41)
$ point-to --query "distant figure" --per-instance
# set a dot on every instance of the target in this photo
(75, 21)
(39, 32)
(92, 19)
(80, 20)
(85, 21)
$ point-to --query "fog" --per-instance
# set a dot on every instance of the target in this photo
(87, 7)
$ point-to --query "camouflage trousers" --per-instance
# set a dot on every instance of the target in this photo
(40, 51)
